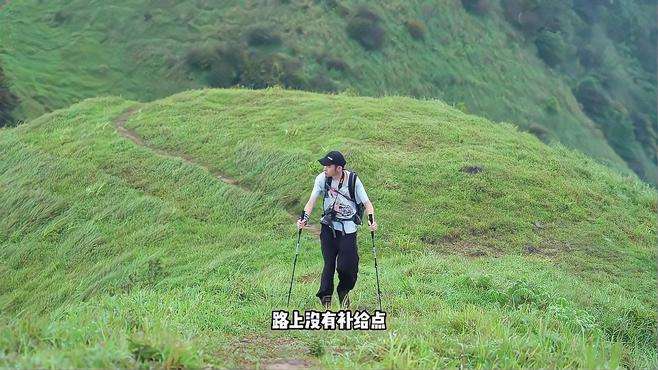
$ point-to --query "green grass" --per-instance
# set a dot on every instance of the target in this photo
(61, 52)
(111, 255)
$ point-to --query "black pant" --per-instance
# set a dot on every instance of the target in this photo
(340, 254)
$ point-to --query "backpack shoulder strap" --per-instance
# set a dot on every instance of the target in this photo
(351, 185)
(327, 185)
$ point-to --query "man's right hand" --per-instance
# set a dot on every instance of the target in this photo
(301, 223)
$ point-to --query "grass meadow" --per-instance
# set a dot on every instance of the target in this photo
(115, 255)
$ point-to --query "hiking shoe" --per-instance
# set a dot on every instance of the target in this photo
(344, 299)
(326, 302)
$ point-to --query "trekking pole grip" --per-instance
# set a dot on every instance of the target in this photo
(371, 219)
(301, 217)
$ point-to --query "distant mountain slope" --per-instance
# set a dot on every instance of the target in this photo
(579, 71)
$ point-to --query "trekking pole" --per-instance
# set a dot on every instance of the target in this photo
(294, 264)
(374, 251)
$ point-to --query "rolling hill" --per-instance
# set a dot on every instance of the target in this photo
(163, 233)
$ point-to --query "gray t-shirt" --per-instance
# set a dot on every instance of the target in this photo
(343, 206)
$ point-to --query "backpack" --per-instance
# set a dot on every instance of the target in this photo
(351, 186)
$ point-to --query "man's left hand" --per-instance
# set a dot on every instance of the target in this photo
(373, 225)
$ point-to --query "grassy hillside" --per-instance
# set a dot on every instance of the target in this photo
(494, 64)
(118, 254)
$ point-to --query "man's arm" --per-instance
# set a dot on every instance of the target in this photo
(308, 208)
(370, 210)
(367, 204)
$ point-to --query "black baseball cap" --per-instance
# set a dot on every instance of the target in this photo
(333, 157)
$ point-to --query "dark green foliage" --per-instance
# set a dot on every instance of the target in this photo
(261, 71)
(645, 50)
(322, 83)
(316, 348)
(416, 29)
(539, 131)
(336, 64)
(613, 119)
(592, 97)
(262, 36)
(589, 10)
(646, 132)
(198, 58)
(552, 105)
(478, 7)
(366, 13)
(522, 14)
(532, 16)
(226, 65)
(551, 48)
(8, 100)
(590, 57)
(230, 64)
(60, 17)
(365, 28)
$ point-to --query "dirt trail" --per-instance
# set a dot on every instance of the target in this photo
(120, 123)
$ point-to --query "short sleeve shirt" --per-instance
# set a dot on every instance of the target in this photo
(340, 198)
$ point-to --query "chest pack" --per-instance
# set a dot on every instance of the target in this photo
(351, 186)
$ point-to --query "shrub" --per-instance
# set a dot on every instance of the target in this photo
(198, 58)
(261, 36)
(551, 48)
(60, 17)
(589, 10)
(645, 50)
(539, 131)
(365, 13)
(522, 14)
(552, 105)
(478, 7)
(416, 29)
(365, 28)
(646, 133)
(330, 62)
(8, 101)
(322, 83)
(224, 63)
(221, 75)
(592, 97)
(590, 57)
(261, 71)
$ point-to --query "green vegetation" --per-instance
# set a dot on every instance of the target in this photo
(8, 100)
(416, 29)
(365, 27)
(494, 249)
(500, 59)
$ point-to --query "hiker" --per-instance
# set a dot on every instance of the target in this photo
(344, 201)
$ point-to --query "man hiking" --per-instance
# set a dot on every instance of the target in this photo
(344, 201)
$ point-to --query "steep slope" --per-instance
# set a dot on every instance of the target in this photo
(494, 249)
(60, 52)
